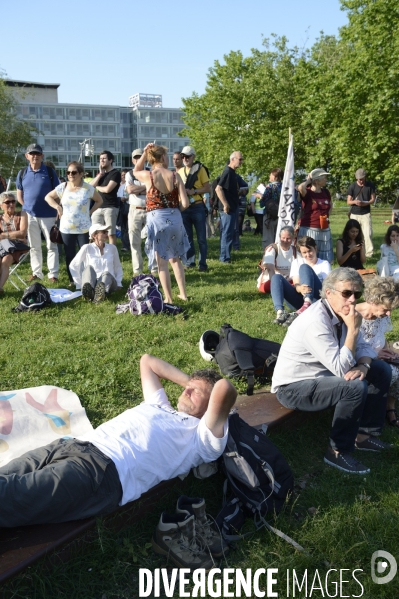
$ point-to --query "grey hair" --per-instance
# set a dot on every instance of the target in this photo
(232, 154)
(338, 275)
(289, 229)
(382, 291)
(7, 194)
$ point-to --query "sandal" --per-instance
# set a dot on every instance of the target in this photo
(392, 421)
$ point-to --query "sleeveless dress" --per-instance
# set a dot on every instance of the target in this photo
(354, 259)
(165, 230)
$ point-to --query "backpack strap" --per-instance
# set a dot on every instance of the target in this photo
(50, 173)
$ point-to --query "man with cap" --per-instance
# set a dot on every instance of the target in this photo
(137, 216)
(33, 184)
(96, 268)
(196, 182)
(361, 195)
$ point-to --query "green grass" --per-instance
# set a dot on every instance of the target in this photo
(95, 352)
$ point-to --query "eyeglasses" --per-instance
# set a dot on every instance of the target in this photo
(347, 293)
(10, 202)
(72, 172)
(35, 154)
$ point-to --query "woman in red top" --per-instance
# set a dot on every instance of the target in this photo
(316, 208)
(167, 237)
(12, 226)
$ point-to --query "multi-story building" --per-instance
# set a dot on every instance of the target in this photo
(80, 131)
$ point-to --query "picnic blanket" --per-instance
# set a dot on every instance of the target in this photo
(34, 417)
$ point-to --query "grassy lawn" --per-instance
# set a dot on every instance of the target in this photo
(95, 352)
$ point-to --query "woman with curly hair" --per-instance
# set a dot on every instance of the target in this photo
(381, 295)
(167, 238)
(350, 247)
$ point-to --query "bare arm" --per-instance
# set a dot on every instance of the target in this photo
(97, 199)
(206, 188)
(182, 193)
(53, 200)
(303, 187)
(108, 188)
(153, 369)
(222, 198)
(138, 189)
(342, 258)
(20, 196)
(21, 233)
(222, 399)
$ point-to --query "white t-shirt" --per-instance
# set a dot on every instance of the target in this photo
(134, 199)
(90, 255)
(283, 262)
(153, 442)
(321, 268)
(75, 208)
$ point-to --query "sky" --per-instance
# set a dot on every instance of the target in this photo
(102, 52)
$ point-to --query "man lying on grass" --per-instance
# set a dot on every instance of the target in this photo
(325, 362)
(92, 475)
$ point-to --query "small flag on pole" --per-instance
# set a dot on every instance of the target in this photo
(286, 210)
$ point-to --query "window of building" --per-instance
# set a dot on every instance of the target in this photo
(97, 114)
(59, 113)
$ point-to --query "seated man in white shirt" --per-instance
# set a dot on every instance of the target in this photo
(96, 268)
(324, 362)
(123, 458)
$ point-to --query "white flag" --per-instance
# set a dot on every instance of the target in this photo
(286, 210)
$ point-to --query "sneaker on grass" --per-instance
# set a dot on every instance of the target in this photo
(290, 319)
(372, 444)
(175, 537)
(204, 528)
(281, 317)
(88, 292)
(345, 462)
(99, 293)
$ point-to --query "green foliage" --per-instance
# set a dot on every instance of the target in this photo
(14, 133)
(340, 98)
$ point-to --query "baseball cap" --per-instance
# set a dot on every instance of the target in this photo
(137, 152)
(34, 148)
(317, 172)
(188, 151)
(360, 173)
(94, 228)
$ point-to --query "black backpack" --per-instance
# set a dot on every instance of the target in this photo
(239, 355)
(35, 297)
(259, 477)
(192, 177)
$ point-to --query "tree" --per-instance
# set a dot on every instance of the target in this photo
(249, 105)
(15, 134)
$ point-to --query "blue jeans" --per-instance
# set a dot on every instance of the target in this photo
(195, 216)
(359, 405)
(227, 226)
(236, 236)
(282, 290)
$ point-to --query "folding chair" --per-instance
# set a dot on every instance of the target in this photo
(13, 272)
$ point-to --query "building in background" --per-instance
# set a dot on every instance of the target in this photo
(81, 131)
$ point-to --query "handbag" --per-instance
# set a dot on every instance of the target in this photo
(55, 234)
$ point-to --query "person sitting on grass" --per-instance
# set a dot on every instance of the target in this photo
(96, 268)
(390, 251)
(324, 362)
(72, 479)
(350, 247)
(277, 258)
(307, 273)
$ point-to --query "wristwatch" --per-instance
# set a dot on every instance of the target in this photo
(365, 365)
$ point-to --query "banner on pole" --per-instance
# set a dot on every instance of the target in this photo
(286, 210)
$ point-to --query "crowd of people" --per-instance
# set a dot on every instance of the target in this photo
(334, 354)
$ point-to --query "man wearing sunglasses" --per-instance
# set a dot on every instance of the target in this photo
(33, 184)
(324, 363)
(196, 182)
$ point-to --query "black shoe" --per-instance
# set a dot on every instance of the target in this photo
(203, 269)
(372, 444)
(88, 292)
(345, 462)
(99, 293)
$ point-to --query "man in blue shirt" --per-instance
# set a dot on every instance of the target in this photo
(33, 184)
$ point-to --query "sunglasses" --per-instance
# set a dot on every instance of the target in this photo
(347, 293)
(10, 202)
(72, 172)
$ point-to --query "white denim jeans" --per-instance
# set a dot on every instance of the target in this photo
(35, 226)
